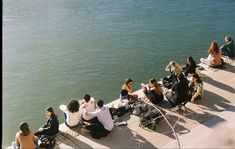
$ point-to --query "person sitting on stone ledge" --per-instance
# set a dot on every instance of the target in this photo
(71, 113)
(47, 133)
(104, 123)
(228, 49)
(179, 93)
(214, 58)
(190, 67)
(88, 103)
(153, 91)
(196, 87)
(126, 91)
(25, 138)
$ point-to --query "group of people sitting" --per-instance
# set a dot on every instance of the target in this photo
(183, 85)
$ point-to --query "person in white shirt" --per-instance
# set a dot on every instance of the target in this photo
(89, 104)
(71, 113)
(104, 123)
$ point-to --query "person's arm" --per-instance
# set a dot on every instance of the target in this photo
(92, 114)
(128, 88)
(198, 92)
(16, 140)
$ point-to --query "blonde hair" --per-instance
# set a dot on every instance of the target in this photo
(174, 67)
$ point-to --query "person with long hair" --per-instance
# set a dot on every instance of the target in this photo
(153, 91)
(51, 128)
(196, 87)
(71, 113)
(25, 137)
(126, 90)
(214, 57)
(175, 69)
(190, 67)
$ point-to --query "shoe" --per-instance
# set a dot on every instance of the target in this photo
(120, 123)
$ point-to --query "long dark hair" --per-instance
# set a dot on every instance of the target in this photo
(73, 106)
(198, 79)
(191, 60)
(24, 128)
(50, 109)
(127, 81)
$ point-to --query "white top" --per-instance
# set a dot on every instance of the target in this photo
(72, 118)
(90, 107)
(104, 117)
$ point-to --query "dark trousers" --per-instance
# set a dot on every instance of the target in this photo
(97, 129)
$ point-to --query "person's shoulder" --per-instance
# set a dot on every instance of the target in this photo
(17, 134)
(92, 99)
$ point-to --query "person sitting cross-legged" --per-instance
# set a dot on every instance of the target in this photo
(196, 87)
(153, 91)
(179, 93)
(104, 123)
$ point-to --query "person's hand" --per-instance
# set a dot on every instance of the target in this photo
(40, 129)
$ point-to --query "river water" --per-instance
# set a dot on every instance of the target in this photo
(57, 50)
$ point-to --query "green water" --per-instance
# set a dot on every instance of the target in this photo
(55, 50)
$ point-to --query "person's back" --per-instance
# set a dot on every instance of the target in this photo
(25, 137)
(72, 113)
(105, 118)
(26, 142)
(216, 58)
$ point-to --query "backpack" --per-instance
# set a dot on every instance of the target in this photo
(47, 142)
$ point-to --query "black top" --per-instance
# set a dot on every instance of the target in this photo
(124, 92)
(181, 90)
(51, 127)
(190, 68)
(154, 97)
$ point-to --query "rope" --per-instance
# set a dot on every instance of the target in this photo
(176, 137)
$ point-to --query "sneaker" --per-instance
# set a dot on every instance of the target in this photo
(120, 123)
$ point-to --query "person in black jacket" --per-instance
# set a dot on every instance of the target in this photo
(51, 128)
(190, 66)
(179, 92)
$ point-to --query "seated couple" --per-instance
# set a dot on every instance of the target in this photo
(183, 91)
(102, 123)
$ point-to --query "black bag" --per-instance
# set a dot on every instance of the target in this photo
(169, 81)
(150, 119)
(118, 112)
(47, 142)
